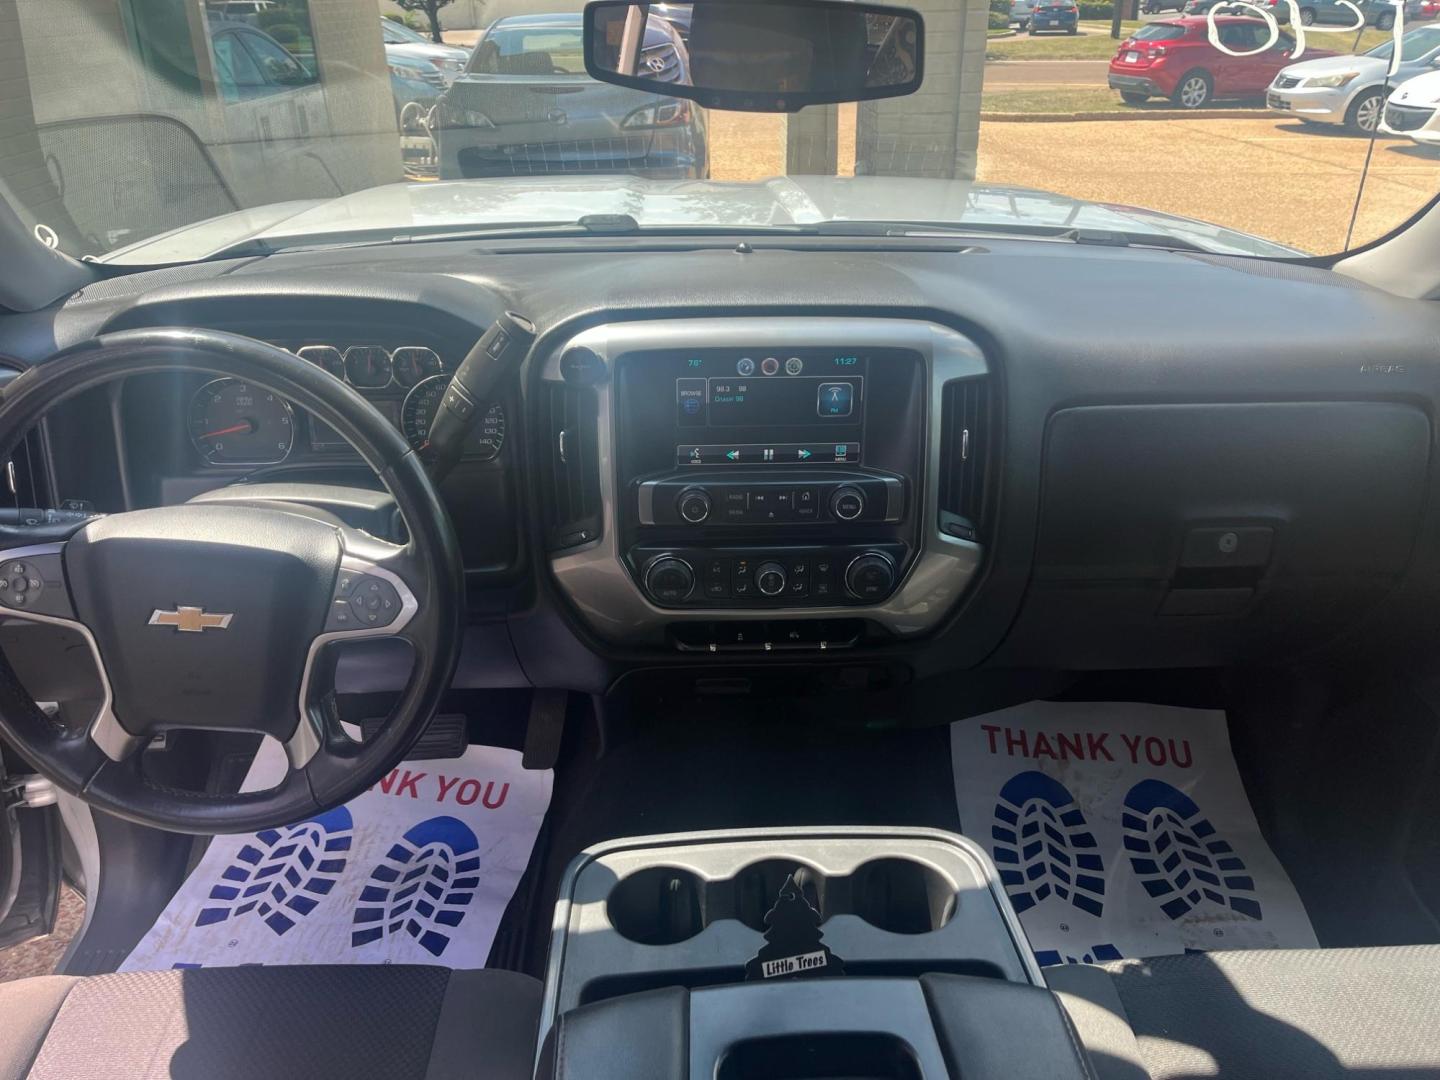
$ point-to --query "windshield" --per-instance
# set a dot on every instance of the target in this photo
(155, 131)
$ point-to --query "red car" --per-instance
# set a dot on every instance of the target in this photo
(1175, 59)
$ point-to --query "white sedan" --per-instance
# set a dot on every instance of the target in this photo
(1413, 110)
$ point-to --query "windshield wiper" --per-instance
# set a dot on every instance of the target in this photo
(1072, 233)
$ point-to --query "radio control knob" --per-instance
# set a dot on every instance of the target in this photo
(669, 579)
(870, 576)
(694, 505)
(770, 579)
(847, 503)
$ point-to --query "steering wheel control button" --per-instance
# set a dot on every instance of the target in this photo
(847, 503)
(694, 506)
(363, 602)
(35, 584)
(770, 579)
(670, 580)
(870, 577)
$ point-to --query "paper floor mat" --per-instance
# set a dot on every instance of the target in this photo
(1122, 829)
(417, 870)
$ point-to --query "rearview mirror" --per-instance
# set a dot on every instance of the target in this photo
(766, 56)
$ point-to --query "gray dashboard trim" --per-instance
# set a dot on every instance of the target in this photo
(594, 576)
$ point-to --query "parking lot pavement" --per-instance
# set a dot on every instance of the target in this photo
(1034, 73)
(1265, 176)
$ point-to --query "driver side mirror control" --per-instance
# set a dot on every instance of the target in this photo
(362, 602)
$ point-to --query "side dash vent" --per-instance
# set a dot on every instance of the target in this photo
(966, 428)
(571, 481)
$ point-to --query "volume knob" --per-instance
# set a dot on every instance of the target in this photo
(694, 505)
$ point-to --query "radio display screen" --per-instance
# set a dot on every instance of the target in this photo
(814, 390)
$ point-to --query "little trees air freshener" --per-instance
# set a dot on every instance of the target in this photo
(793, 947)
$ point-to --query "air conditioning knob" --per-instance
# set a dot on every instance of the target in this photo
(870, 576)
(770, 579)
(669, 579)
(847, 503)
(694, 505)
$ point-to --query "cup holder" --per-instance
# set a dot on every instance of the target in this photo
(903, 896)
(660, 905)
(757, 887)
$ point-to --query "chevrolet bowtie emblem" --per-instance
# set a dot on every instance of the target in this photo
(191, 620)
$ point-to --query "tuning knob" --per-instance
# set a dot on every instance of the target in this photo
(669, 579)
(694, 505)
(770, 579)
(870, 576)
(847, 503)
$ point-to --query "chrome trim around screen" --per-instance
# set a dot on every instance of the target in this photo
(594, 577)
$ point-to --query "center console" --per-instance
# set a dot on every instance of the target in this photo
(897, 955)
(765, 484)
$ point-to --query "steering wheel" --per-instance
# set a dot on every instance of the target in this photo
(222, 617)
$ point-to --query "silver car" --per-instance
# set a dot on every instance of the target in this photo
(1350, 89)
(400, 40)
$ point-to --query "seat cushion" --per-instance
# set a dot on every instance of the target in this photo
(397, 1022)
(1312, 1013)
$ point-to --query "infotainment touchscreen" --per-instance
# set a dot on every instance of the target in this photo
(754, 407)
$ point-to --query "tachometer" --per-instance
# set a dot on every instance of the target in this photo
(233, 422)
(411, 363)
(421, 406)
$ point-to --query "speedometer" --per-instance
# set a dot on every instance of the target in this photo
(233, 422)
(422, 405)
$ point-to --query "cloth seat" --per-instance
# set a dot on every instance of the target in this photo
(399, 1022)
(1272, 1014)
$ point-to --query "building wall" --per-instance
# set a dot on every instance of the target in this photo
(133, 144)
(936, 131)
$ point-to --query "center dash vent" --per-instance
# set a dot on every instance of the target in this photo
(966, 427)
(571, 460)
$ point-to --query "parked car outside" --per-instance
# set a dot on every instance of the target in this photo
(1421, 10)
(416, 85)
(249, 63)
(679, 16)
(1202, 7)
(524, 106)
(1349, 89)
(1055, 15)
(1020, 11)
(1156, 7)
(1378, 13)
(400, 40)
(1174, 58)
(1413, 110)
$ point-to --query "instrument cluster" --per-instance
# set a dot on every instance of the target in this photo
(232, 423)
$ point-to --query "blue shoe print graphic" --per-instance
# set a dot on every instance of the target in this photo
(1043, 846)
(424, 886)
(1098, 954)
(1178, 856)
(282, 874)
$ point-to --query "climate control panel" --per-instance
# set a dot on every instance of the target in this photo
(793, 499)
(740, 577)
